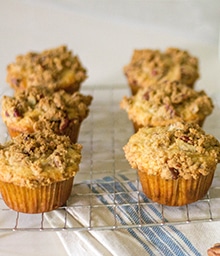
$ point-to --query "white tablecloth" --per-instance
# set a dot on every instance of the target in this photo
(187, 239)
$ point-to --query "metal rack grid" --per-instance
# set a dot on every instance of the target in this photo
(106, 192)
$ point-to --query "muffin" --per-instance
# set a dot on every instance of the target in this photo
(214, 250)
(38, 108)
(166, 103)
(55, 68)
(37, 171)
(175, 163)
(149, 67)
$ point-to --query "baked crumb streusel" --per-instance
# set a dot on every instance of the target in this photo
(148, 67)
(39, 158)
(55, 68)
(165, 103)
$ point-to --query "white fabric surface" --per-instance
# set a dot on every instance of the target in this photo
(187, 239)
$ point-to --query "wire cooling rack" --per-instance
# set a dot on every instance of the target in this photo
(106, 192)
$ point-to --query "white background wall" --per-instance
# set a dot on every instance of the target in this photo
(105, 32)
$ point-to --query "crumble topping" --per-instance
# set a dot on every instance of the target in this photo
(56, 68)
(39, 159)
(167, 102)
(179, 150)
(149, 66)
(36, 105)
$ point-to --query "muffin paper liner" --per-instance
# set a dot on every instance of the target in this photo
(36, 200)
(175, 192)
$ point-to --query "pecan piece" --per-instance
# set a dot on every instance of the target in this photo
(16, 112)
(170, 109)
(175, 173)
(64, 124)
(154, 72)
(15, 81)
(146, 96)
(186, 139)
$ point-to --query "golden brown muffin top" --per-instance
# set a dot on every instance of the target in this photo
(39, 104)
(150, 66)
(38, 159)
(178, 150)
(56, 68)
(165, 103)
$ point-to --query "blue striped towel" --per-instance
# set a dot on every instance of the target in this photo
(136, 228)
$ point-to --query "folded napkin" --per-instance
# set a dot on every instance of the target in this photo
(107, 220)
